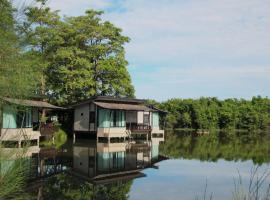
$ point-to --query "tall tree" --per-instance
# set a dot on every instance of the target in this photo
(17, 80)
(82, 56)
(37, 32)
(17, 70)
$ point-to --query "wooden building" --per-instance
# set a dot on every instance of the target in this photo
(20, 121)
(110, 117)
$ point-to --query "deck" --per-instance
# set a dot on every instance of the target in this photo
(133, 127)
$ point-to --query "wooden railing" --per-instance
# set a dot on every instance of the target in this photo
(138, 127)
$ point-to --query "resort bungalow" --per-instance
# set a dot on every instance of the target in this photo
(20, 122)
(110, 117)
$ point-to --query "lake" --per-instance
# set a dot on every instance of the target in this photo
(185, 166)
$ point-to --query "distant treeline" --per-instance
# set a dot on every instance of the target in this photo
(218, 145)
(212, 113)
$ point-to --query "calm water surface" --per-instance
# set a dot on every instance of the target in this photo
(182, 167)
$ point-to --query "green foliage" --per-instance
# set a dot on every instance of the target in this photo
(13, 175)
(219, 145)
(80, 56)
(211, 113)
(17, 79)
(60, 138)
(64, 186)
(17, 70)
(113, 191)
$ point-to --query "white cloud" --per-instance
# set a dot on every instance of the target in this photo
(77, 7)
(211, 47)
(196, 81)
(198, 48)
(163, 30)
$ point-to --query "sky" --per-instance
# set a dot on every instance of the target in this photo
(190, 48)
(186, 179)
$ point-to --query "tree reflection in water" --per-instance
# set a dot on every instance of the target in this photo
(64, 186)
(218, 145)
(94, 170)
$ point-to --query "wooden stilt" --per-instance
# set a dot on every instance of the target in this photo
(74, 138)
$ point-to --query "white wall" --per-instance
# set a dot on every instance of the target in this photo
(19, 134)
(111, 147)
(92, 107)
(80, 159)
(81, 118)
(140, 117)
(112, 132)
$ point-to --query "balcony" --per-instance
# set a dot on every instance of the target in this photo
(135, 127)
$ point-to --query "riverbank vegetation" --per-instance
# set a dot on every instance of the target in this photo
(13, 174)
(217, 145)
(212, 113)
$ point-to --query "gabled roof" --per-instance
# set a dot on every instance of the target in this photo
(31, 103)
(119, 103)
(122, 106)
(108, 99)
(154, 108)
(118, 99)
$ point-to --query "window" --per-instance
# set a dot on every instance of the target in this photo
(111, 118)
(17, 118)
(117, 118)
(155, 119)
(103, 118)
(146, 118)
(24, 118)
(110, 161)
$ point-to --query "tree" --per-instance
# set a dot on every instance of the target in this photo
(186, 120)
(37, 32)
(209, 113)
(16, 69)
(17, 80)
(63, 186)
(82, 56)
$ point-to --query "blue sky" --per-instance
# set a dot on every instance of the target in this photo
(190, 48)
(186, 179)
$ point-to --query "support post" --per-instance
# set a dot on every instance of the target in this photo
(74, 138)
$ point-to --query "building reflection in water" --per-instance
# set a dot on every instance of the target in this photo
(101, 160)
(99, 163)
(41, 161)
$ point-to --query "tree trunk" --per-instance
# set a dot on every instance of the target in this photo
(43, 115)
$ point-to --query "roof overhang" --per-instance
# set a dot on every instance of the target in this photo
(159, 110)
(108, 99)
(31, 103)
(122, 106)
